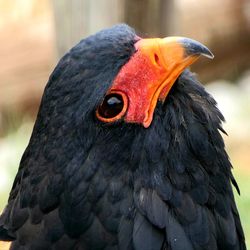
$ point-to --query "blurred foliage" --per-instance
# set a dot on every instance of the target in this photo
(12, 147)
(243, 201)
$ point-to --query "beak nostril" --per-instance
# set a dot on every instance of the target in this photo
(157, 60)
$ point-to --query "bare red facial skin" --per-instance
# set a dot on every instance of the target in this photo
(138, 79)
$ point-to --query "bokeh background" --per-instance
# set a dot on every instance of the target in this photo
(35, 34)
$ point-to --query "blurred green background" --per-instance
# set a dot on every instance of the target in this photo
(34, 34)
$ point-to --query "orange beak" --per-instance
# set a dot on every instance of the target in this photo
(151, 72)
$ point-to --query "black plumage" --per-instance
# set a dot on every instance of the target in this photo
(84, 184)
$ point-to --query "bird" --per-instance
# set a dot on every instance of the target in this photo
(126, 153)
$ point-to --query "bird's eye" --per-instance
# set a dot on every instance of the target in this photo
(113, 107)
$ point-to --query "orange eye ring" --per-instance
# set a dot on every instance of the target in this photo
(113, 107)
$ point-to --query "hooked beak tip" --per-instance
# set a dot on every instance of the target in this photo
(193, 47)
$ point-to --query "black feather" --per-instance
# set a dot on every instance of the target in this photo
(145, 235)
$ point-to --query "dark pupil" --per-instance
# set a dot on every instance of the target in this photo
(111, 106)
